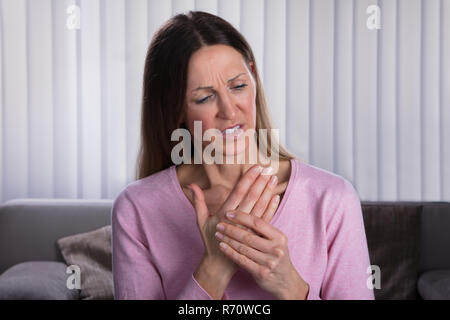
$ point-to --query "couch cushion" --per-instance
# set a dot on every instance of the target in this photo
(36, 280)
(46, 221)
(91, 252)
(393, 238)
(435, 240)
(435, 285)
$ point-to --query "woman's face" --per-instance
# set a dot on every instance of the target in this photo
(221, 94)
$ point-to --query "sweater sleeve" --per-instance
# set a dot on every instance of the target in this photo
(135, 273)
(348, 255)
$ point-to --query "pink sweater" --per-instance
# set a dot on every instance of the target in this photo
(157, 246)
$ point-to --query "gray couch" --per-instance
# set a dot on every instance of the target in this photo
(410, 242)
(29, 229)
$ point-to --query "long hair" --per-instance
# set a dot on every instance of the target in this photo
(165, 82)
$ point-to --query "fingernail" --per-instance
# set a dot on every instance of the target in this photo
(230, 215)
(267, 171)
(259, 169)
(273, 180)
(220, 227)
(277, 198)
(219, 235)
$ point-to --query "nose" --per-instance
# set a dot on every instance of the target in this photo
(227, 109)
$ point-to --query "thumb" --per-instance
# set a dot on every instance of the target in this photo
(199, 203)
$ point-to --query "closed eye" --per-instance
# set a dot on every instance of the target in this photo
(202, 100)
(240, 87)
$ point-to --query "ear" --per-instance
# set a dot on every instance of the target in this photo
(252, 67)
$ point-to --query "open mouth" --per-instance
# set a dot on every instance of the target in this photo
(233, 132)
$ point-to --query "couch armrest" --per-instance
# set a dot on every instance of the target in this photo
(36, 280)
(434, 285)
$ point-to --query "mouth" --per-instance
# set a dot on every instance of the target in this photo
(233, 132)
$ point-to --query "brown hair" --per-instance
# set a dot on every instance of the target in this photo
(165, 81)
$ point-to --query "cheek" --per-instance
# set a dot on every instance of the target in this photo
(249, 106)
(248, 101)
(205, 115)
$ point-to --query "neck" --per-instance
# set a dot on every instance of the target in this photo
(228, 174)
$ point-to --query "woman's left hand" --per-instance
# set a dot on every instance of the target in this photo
(264, 255)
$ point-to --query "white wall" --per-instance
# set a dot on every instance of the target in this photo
(372, 106)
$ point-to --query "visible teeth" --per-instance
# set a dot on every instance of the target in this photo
(232, 130)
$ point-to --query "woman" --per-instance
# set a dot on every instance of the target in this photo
(297, 232)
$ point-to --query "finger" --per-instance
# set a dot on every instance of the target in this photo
(271, 208)
(241, 188)
(248, 238)
(255, 223)
(264, 200)
(243, 261)
(257, 256)
(199, 204)
(241, 226)
(255, 191)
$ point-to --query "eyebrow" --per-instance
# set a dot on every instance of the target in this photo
(211, 87)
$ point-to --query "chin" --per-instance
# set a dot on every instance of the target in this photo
(240, 148)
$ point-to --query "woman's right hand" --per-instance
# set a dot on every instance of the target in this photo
(252, 194)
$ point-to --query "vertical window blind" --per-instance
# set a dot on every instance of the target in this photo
(372, 105)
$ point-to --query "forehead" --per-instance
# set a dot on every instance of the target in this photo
(209, 62)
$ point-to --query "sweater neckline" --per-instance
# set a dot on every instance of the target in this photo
(292, 178)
